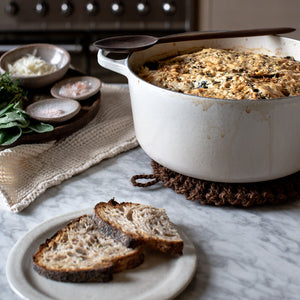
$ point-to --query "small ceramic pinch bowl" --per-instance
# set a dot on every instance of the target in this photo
(51, 54)
(77, 88)
(53, 110)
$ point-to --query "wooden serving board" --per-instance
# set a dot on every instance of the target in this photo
(89, 109)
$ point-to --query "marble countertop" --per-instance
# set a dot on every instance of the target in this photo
(242, 253)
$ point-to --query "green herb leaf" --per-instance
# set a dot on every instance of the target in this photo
(14, 121)
(8, 137)
(40, 127)
(14, 117)
(5, 109)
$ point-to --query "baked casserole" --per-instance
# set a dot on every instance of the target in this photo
(226, 74)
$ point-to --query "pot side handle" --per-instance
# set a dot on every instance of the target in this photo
(115, 65)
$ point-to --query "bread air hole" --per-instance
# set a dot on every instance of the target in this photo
(81, 251)
(156, 231)
(64, 238)
(59, 257)
(92, 239)
(120, 210)
(129, 215)
(54, 246)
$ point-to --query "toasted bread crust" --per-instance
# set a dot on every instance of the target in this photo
(98, 275)
(103, 272)
(131, 238)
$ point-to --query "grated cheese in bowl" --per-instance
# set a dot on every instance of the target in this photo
(30, 65)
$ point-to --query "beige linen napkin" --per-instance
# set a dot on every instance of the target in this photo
(26, 171)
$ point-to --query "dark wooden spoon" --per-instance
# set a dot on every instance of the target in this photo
(129, 43)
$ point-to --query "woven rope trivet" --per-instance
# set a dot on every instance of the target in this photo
(219, 194)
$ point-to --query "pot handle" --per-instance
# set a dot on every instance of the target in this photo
(116, 65)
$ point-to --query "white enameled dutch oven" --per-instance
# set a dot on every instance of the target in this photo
(214, 139)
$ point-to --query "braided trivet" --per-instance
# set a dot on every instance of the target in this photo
(218, 193)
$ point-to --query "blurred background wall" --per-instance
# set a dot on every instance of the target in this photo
(243, 14)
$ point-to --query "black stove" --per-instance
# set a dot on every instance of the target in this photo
(76, 24)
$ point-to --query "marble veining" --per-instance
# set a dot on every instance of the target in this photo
(242, 253)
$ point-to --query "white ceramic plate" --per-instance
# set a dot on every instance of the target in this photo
(89, 87)
(159, 277)
(53, 110)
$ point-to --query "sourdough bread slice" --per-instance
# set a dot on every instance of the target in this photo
(82, 253)
(134, 224)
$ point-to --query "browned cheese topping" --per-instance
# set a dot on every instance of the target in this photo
(226, 74)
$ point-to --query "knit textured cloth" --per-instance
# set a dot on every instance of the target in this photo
(26, 171)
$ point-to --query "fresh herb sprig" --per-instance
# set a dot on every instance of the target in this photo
(14, 121)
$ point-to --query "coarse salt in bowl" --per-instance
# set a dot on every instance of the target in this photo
(53, 110)
(78, 88)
